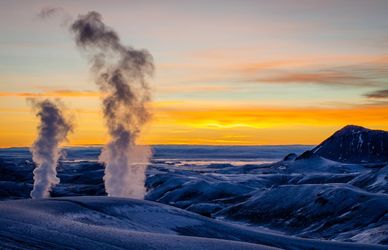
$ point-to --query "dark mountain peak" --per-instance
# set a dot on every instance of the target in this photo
(355, 144)
(352, 129)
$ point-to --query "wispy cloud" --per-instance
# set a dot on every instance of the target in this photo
(378, 94)
(330, 70)
(324, 77)
(361, 74)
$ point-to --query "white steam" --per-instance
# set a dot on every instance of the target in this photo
(52, 130)
(120, 72)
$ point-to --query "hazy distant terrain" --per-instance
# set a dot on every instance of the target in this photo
(81, 173)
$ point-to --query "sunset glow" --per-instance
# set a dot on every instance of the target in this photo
(226, 73)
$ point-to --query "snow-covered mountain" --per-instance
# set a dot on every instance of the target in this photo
(355, 144)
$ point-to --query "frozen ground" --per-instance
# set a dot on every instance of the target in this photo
(87, 222)
(256, 195)
(109, 223)
(309, 197)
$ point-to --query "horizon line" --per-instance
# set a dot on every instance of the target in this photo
(194, 145)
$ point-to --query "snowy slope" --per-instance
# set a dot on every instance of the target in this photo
(314, 198)
(116, 223)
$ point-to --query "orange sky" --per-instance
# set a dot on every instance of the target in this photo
(177, 122)
(227, 72)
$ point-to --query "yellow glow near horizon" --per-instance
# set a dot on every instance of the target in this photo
(175, 123)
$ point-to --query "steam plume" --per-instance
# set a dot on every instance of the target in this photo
(50, 12)
(121, 73)
(53, 129)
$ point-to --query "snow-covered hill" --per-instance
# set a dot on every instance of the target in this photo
(115, 223)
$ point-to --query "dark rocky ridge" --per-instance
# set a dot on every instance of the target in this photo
(355, 144)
